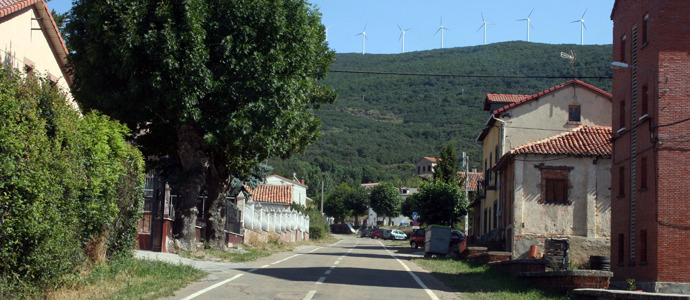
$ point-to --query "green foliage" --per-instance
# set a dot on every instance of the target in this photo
(389, 122)
(446, 169)
(385, 200)
(357, 200)
(65, 180)
(346, 200)
(438, 203)
(318, 227)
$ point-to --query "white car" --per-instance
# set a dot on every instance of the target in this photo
(398, 235)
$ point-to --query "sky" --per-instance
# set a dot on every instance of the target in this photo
(551, 21)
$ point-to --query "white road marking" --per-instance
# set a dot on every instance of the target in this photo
(252, 270)
(414, 276)
(314, 250)
(265, 266)
(197, 294)
(321, 279)
(284, 259)
(332, 267)
(336, 262)
(328, 272)
(309, 295)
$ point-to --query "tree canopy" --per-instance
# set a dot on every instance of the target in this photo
(385, 200)
(446, 168)
(218, 85)
(438, 203)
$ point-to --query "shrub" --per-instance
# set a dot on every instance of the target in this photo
(65, 180)
(318, 227)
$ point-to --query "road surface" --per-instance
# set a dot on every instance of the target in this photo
(353, 268)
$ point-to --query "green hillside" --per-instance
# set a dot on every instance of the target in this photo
(381, 125)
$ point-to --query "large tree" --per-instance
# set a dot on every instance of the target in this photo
(385, 200)
(334, 205)
(218, 85)
(438, 203)
(446, 169)
(357, 202)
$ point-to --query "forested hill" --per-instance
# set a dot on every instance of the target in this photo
(381, 124)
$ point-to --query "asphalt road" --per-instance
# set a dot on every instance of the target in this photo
(353, 268)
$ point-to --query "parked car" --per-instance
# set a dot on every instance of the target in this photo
(397, 235)
(387, 234)
(365, 232)
(376, 233)
(417, 238)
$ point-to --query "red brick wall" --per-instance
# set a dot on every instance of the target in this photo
(662, 208)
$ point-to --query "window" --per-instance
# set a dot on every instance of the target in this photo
(621, 248)
(643, 173)
(621, 116)
(556, 191)
(643, 246)
(574, 113)
(29, 69)
(622, 49)
(495, 214)
(645, 29)
(485, 216)
(621, 181)
(644, 98)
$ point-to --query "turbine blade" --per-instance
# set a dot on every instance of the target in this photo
(480, 27)
(583, 25)
(530, 25)
(399, 27)
(400, 38)
(583, 14)
(439, 29)
(482, 17)
(521, 20)
(575, 21)
(365, 27)
(408, 29)
(530, 13)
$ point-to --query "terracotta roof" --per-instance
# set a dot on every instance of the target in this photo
(474, 179)
(585, 140)
(290, 180)
(501, 98)
(54, 37)
(272, 193)
(498, 112)
(432, 159)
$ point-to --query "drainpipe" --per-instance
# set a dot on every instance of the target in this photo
(503, 145)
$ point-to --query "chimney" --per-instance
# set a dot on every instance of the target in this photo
(302, 180)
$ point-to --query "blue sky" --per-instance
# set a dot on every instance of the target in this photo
(551, 20)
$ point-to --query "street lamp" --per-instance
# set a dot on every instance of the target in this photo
(621, 65)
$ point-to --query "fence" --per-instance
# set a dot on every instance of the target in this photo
(260, 219)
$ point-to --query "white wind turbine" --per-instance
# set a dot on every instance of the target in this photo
(327, 32)
(402, 36)
(364, 37)
(484, 23)
(529, 22)
(441, 29)
(582, 27)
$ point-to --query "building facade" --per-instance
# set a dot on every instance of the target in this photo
(651, 153)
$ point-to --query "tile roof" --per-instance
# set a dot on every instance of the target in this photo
(271, 193)
(584, 140)
(290, 180)
(474, 179)
(501, 98)
(10, 6)
(432, 159)
(490, 123)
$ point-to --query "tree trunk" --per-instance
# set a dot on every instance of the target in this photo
(194, 160)
(217, 183)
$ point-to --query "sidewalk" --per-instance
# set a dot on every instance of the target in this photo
(208, 266)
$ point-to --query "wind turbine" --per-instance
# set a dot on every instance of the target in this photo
(364, 37)
(484, 23)
(529, 23)
(327, 32)
(582, 27)
(402, 36)
(441, 29)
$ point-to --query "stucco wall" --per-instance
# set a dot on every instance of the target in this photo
(20, 45)
(586, 221)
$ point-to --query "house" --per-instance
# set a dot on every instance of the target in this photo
(299, 189)
(651, 151)
(277, 197)
(31, 42)
(557, 187)
(426, 167)
(556, 110)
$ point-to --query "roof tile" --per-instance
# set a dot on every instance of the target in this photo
(272, 193)
(585, 140)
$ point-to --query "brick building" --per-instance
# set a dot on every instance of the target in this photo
(651, 144)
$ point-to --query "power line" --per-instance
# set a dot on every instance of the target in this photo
(466, 75)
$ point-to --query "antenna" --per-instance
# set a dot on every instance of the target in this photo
(582, 27)
(402, 36)
(484, 23)
(572, 57)
(364, 37)
(441, 29)
(529, 22)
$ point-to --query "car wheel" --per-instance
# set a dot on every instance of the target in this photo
(413, 245)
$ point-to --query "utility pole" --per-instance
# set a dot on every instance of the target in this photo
(322, 197)
(466, 160)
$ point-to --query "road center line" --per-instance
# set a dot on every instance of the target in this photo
(284, 259)
(314, 250)
(252, 270)
(197, 294)
(310, 295)
(321, 279)
(414, 276)
(328, 272)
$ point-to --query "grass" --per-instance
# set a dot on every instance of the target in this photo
(253, 250)
(130, 279)
(480, 282)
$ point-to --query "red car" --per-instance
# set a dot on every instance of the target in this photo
(376, 233)
(417, 238)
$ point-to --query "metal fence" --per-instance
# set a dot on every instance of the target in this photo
(258, 218)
